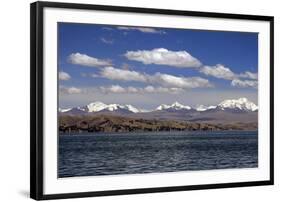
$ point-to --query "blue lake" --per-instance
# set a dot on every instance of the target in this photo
(86, 154)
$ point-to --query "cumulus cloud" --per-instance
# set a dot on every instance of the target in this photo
(63, 76)
(123, 75)
(69, 90)
(132, 89)
(222, 72)
(180, 82)
(142, 29)
(85, 60)
(113, 89)
(162, 56)
(249, 75)
(137, 90)
(218, 71)
(166, 80)
(152, 89)
(244, 83)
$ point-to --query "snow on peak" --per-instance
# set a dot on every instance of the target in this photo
(204, 108)
(96, 106)
(241, 103)
(132, 108)
(64, 110)
(99, 106)
(175, 105)
(112, 107)
(162, 107)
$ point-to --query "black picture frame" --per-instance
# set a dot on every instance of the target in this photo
(36, 99)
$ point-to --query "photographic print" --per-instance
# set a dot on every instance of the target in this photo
(136, 100)
(128, 100)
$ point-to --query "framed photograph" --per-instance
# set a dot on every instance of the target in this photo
(134, 100)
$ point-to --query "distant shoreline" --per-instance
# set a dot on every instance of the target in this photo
(150, 133)
(118, 124)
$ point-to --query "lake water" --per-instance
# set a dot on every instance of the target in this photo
(110, 154)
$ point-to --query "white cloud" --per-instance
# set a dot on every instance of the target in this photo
(85, 60)
(166, 80)
(131, 89)
(121, 74)
(162, 56)
(113, 89)
(64, 76)
(218, 71)
(70, 90)
(107, 41)
(249, 75)
(142, 29)
(180, 82)
(244, 83)
(152, 89)
(137, 90)
(222, 72)
(92, 75)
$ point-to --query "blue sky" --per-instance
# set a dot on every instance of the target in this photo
(146, 67)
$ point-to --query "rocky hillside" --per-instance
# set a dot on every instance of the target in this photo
(109, 123)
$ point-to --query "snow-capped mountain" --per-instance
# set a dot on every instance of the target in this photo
(242, 104)
(174, 106)
(202, 108)
(100, 106)
(231, 105)
(95, 107)
(239, 104)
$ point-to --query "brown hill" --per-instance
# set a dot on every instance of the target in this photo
(110, 123)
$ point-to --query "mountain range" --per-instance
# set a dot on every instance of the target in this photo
(231, 110)
(241, 104)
